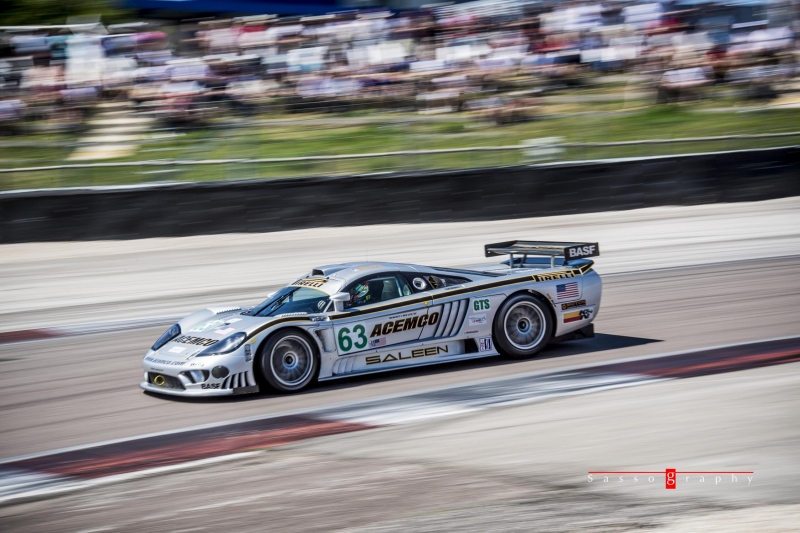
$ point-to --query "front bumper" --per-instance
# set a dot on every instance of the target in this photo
(197, 393)
(225, 375)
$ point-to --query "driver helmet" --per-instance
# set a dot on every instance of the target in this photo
(361, 290)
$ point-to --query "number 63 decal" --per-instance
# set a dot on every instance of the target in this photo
(352, 339)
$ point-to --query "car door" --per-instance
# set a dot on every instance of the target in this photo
(447, 301)
(383, 312)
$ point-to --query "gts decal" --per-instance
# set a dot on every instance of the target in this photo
(420, 352)
(404, 325)
(481, 305)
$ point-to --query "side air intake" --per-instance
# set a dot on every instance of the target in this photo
(453, 315)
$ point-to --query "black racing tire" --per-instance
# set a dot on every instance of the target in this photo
(288, 361)
(522, 327)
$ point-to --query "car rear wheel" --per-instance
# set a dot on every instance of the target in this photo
(522, 327)
(288, 361)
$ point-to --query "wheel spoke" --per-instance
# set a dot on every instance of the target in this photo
(291, 360)
(524, 325)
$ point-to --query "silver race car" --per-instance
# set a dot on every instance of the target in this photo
(356, 318)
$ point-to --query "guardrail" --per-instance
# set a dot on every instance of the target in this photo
(322, 158)
(473, 194)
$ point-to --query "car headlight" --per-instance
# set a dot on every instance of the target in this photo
(170, 334)
(226, 345)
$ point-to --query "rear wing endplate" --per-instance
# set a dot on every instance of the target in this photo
(567, 250)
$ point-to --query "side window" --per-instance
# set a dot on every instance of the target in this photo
(427, 282)
(377, 288)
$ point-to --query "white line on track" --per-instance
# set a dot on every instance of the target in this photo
(63, 484)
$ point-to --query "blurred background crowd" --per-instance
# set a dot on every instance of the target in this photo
(136, 80)
(492, 55)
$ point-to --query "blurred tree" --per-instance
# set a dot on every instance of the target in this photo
(34, 12)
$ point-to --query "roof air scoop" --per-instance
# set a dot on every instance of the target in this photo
(327, 270)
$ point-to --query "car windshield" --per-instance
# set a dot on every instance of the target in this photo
(292, 300)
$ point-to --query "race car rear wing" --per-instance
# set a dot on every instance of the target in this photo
(568, 250)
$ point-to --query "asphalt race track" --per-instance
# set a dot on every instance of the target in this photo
(70, 391)
(502, 469)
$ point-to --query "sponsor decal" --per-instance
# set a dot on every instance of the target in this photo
(352, 339)
(567, 291)
(208, 325)
(477, 320)
(356, 336)
(420, 352)
(586, 250)
(197, 341)
(176, 349)
(367, 267)
(210, 385)
(466, 290)
(556, 275)
(377, 343)
(224, 331)
(164, 362)
(485, 344)
(248, 353)
(570, 305)
(404, 315)
(575, 316)
(470, 331)
(314, 283)
(481, 305)
(404, 325)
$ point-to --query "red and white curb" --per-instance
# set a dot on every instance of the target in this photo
(85, 466)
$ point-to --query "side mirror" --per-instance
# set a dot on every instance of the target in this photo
(339, 299)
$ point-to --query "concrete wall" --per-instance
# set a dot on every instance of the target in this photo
(458, 195)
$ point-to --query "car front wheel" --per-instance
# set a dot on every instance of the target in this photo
(522, 327)
(288, 361)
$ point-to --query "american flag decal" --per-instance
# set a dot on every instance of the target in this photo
(566, 291)
(375, 343)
